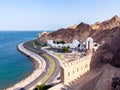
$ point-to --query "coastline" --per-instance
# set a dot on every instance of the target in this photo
(39, 63)
(36, 64)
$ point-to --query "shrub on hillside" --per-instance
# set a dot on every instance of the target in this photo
(65, 49)
(36, 42)
(42, 87)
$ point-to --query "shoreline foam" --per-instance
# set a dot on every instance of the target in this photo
(36, 72)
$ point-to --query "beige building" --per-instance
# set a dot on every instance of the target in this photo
(75, 69)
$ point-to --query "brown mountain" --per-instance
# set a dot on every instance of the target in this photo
(107, 33)
(108, 24)
(81, 32)
(104, 29)
(99, 31)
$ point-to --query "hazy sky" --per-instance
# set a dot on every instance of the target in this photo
(54, 14)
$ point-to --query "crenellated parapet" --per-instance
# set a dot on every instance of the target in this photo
(73, 70)
(75, 62)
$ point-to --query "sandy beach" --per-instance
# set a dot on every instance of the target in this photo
(41, 64)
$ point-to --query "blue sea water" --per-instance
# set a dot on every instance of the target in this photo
(14, 66)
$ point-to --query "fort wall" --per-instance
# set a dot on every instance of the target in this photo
(73, 70)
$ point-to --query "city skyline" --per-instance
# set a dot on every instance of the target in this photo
(52, 15)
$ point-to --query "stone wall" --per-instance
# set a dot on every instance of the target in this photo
(72, 70)
(88, 84)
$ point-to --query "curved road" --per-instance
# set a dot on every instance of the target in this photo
(51, 78)
(56, 70)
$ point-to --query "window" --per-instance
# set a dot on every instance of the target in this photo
(77, 70)
(86, 66)
(68, 73)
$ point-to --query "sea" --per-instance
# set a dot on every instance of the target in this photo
(14, 66)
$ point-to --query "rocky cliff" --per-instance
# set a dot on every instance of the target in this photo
(99, 31)
(79, 32)
(105, 28)
(109, 51)
(108, 24)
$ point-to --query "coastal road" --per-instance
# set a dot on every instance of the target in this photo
(56, 70)
(51, 78)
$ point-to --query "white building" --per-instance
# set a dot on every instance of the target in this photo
(50, 42)
(75, 43)
(89, 43)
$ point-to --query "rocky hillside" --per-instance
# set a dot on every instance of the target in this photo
(107, 33)
(109, 51)
(104, 29)
(81, 32)
(108, 24)
(99, 31)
